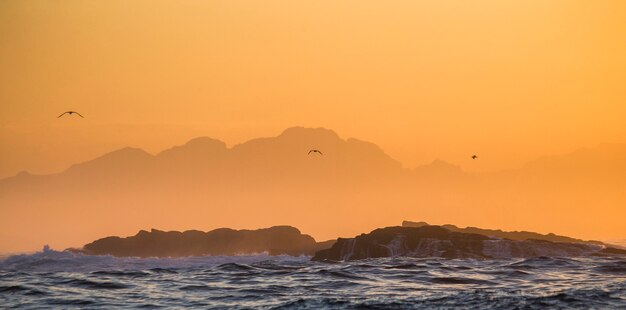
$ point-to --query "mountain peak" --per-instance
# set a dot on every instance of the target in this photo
(439, 165)
(126, 153)
(121, 159)
(304, 132)
(204, 141)
(203, 146)
(22, 174)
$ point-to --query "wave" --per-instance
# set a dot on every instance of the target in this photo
(460, 280)
(21, 289)
(53, 261)
(617, 267)
(121, 273)
(263, 281)
(89, 284)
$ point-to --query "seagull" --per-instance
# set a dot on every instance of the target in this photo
(474, 157)
(315, 151)
(70, 113)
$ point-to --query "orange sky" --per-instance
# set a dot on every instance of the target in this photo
(510, 80)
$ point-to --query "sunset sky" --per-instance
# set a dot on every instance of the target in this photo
(509, 80)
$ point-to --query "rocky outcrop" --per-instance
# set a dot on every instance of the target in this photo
(275, 240)
(436, 241)
(513, 235)
(611, 251)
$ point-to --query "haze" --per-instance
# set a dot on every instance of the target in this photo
(511, 81)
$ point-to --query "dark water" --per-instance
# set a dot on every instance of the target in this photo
(63, 280)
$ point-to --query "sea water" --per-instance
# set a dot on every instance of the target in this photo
(52, 279)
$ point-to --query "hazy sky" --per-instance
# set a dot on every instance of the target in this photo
(509, 80)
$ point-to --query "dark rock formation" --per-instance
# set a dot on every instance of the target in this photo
(405, 241)
(275, 240)
(436, 241)
(611, 251)
(512, 235)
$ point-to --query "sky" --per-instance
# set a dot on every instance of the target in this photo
(507, 80)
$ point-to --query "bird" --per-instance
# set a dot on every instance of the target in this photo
(70, 113)
(474, 157)
(315, 151)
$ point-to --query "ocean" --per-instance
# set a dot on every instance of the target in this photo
(53, 279)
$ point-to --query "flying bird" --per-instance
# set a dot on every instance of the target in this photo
(70, 113)
(474, 157)
(315, 151)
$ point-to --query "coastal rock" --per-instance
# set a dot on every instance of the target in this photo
(436, 241)
(513, 235)
(275, 240)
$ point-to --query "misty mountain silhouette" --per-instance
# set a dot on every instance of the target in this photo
(354, 187)
(122, 161)
(607, 162)
(283, 153)
(196, 150)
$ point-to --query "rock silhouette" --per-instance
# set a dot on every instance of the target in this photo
(436, 241)
(275, 240)
(512, 235)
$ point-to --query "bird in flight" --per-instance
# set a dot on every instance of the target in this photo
(315, 151)
(70, 113)
(474, 157)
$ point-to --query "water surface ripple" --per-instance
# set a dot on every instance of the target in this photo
(64, 280)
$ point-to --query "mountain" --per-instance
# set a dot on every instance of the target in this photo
(275, 240)
(439, 168)
(605, 162)
(355, 186)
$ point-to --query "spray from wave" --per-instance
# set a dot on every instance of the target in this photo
(49, 260)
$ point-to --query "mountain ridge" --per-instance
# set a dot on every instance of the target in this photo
(216, 145)
(353, 187)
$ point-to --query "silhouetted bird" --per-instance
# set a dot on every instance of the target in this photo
(315, 151)
(474, 157)
(70, 113)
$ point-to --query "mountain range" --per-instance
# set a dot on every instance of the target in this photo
(355, 186)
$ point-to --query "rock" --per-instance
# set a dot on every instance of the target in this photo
(275, 240)
(436, 241)
(513, 235)
(611, 251)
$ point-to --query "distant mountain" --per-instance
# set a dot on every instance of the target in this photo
(275, 240)
(439, 168)
(606, 159)
(354, 186)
